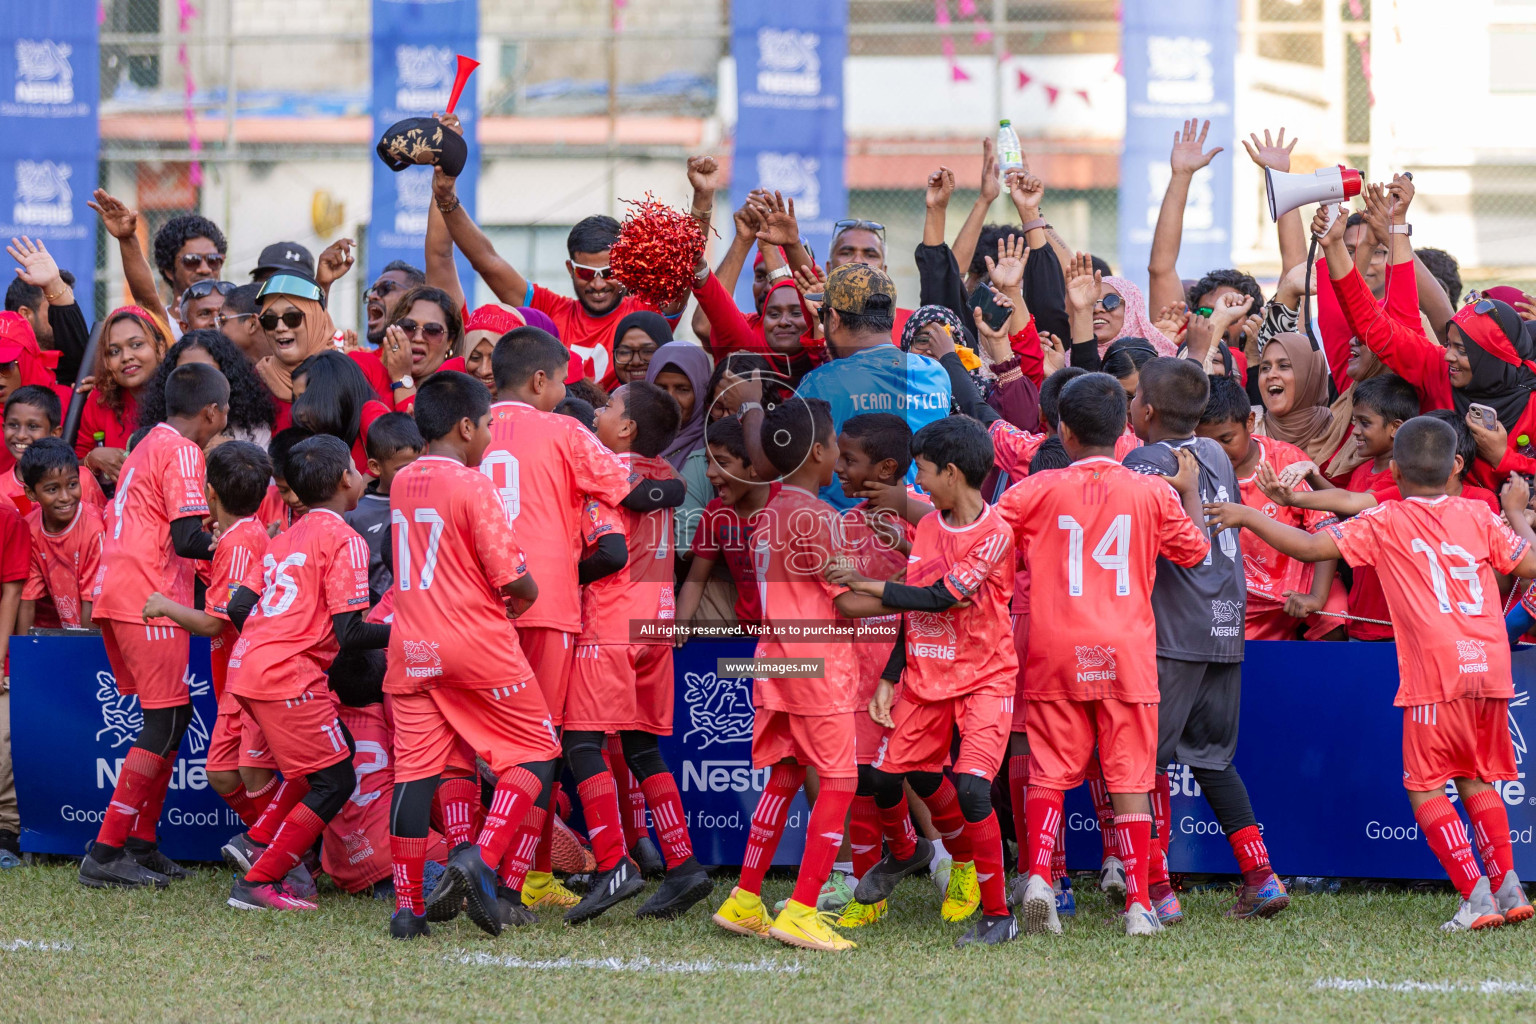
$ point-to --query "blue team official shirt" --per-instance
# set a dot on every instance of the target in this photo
(882, 378)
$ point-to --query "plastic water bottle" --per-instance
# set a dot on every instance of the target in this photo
(1010, 155)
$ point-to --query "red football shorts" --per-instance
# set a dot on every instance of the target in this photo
(1020, 648)
(615, 687)
(508, 726)
(218, 657)
(868, 734)
(1062, 735)
(824, 742)
(237, 741)
(149, 662)
(1458, 739)
(920, 741)
(550, 652)
(303, 734)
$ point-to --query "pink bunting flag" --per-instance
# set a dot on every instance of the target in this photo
(957, 74)
(1024, 78)
(941, 12)
(1082, 94)
(1051, 93)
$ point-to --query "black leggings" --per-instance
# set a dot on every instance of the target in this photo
(974, 794)
(410, 809)
(163, 729)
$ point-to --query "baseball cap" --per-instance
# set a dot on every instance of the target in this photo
(15, 336)
(285, 258)
(422, 140)
(860, 289)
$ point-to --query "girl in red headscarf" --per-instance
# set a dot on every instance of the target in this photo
(482, 329)
(132, 345)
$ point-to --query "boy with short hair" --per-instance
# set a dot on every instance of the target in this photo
(280, 507)
(15, 555)
(157, 529)
(312, 604)
(240, 762)
(32, 412)
(1199, 610)
(1436, 556)
(66, 539)
(393, 443)
(1094, 532)
(957, 667)
(799, 721)
(1283, 594)
(459, 571)
(622, 678)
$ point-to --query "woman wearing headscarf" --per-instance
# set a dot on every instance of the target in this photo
(785, 334)
(636, 340)
(482, 329)
(133, 342)
(1293, 382)
(682, 369)
(1102, 310)
(297, 326)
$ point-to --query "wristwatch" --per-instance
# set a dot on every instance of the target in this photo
(779, 274)
(1038, 222)
(404, 382)
(1401, 229)
(746, 407)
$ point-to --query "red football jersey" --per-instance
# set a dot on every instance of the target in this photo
(869, 542)
(545, 467)
(635, 605)
(454, 551)
(309, 573)
(1269, 573)
(161, 481)
(63, 567)
(723, 536)
(274, 510)
(238, 561)
(800, 535)
(1126, 443)
(13, 489)
(1365, 595)
(1012, 448)
(961, 651)
(1094, 532)
(1435, 558)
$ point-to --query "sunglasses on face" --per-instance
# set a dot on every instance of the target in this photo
(382, 288)
(221, 318)
(1111, 302)
(863, 225)
(206, 287)
(586, 273)
(290, 319)
(430, 331)
(191, 260)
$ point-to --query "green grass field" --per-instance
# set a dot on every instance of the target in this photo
(72, 954)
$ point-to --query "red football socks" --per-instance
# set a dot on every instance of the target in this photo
(289, 793)
(1059, 857)
(1490, 824)
(456, 800)
(298, 833)
(263, 796)
(1447, 836)
(1043, 807)
(1162, 796)
(1018, 783)
(1134, 832)
(660, 791)
(823, 836)
(516, 791)
(1252, 855)
(605, 822)
(519, 856)
(545, 850)
(408, 855)
(864, 834)
(631, 798)
(896, 827)
(135, 784)
(1105, 812)
(1159, 884)
(986, 838)
(944, 805)
(241, 803)
(144, 825)
(784, 781)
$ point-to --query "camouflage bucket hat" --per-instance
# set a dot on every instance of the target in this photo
(860, 289)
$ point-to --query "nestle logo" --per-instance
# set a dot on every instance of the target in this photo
(722, 777)
(43, 72)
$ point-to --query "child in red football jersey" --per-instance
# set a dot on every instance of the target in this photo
(240, 763)
(31, 414)
(459, 571)
(311, 606)
(156, 530)
(1283, 594)
(957, 667)
(15, 554)
(280, 507)
(1436, 557)
(1093, 532)
(622, 679)
(66, 539)
(801, 721)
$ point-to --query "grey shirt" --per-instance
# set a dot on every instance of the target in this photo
(1200, 610)
(371, 519)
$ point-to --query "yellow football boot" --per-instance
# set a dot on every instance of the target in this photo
(964, 893)
(857, 915)
(743, 913)
(808, 928)
(542, 889)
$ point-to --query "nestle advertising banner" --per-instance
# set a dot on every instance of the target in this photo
(1320, 750)
(48, 99)
(1178, 61)
(789, 107)
(415, 43)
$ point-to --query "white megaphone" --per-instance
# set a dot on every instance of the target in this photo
(1328, 185)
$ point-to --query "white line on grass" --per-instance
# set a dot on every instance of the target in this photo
(15, 945)
(643, 964)
(1488, 988)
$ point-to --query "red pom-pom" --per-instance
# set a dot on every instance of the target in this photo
(657, 251)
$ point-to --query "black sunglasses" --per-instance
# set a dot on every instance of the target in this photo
(863, 225)
(1111, 302)
(381, 287)
(428, 330)
(206, 287)
(290, 319)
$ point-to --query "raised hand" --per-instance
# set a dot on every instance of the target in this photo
(748, 220)
(1275, 155)
(779, 224)
(116, 217)
(1026, 191)
(941, 185)
(1377, 212)
(334, 262)
(704, 173)
(1053, 354)
(1007, 271)
(37, 268)
(451, 122)
(1401, 192)
(1298, 473)
(1325, 231)
(1083, 283)
(990, 188)
(1275, 488)
(1188, 154)
(1229, 309)
(992, 341)
(1172, 318)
